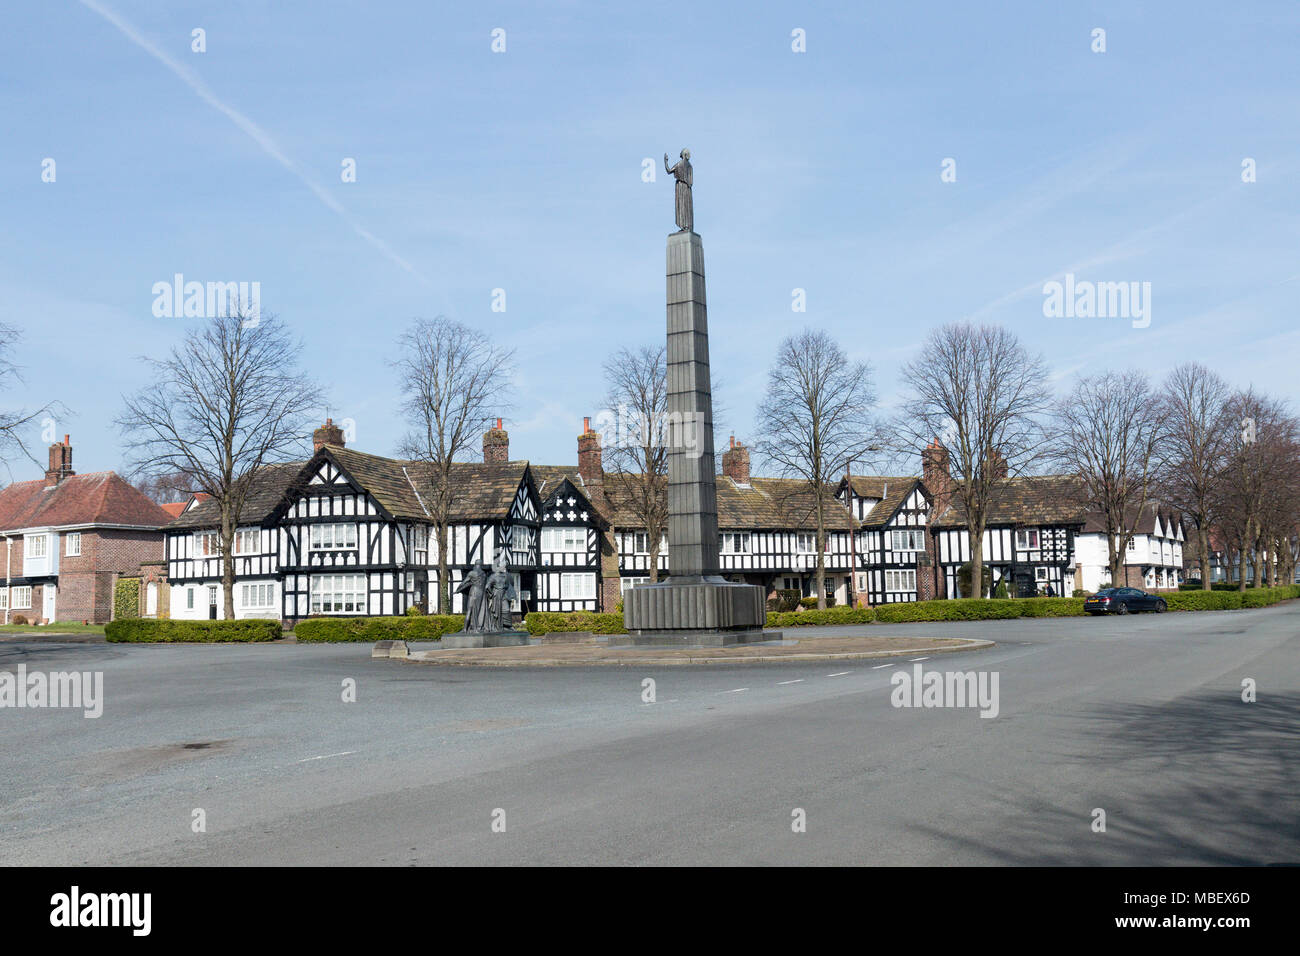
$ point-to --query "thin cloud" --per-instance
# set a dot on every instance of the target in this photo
(255, 132)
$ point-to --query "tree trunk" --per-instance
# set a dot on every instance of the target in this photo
(821, 555)
(1112, 559)
(444, 589)
(1241, 559)
(653, 540)
(977, 563)
(228, 566)
(1204, 536)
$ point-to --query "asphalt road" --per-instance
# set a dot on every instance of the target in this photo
(1139, 716)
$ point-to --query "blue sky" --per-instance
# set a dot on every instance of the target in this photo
(522, 170)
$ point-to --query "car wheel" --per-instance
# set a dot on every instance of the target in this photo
(1121, 608)
(1162, 607)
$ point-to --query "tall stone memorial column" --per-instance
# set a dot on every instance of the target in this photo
(695, 606)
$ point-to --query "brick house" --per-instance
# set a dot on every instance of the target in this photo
(68, 537)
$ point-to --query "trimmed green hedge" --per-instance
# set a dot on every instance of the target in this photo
(831, 615)
(340, 630)
(550, 622)
(146, 631)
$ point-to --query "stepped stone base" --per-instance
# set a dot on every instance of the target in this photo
(692, 638)
(486, 639)
(705, 611)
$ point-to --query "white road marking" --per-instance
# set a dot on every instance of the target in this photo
(738, 690)
(881, 667)
(839, 673)
(780, 682)
(326, 756)
(915, 659)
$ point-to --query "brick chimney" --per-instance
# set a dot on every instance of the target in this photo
(735, 463)
(996, 465)
(936, 475)
(496, 445)
(327, 434)
(589, 464)
(60, 462)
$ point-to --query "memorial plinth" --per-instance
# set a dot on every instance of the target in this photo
(696, 605)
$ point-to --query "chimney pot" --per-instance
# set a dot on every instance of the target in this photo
(327, 434)
(496, 445)
(590, 466)
(735, 463)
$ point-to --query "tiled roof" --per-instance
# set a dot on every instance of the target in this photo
(269, 490)
(892, 491)
(1096, 520)
(484, 491)
(1027, 500)
(102, 497)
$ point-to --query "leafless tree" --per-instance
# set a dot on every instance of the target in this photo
(165, 488)
(635, 451)
(222, 406)
(1259, 473)
(15, 423)
(982, 394)
(814, 420)
(1191, 457)
(454, 381)
(1105, 433)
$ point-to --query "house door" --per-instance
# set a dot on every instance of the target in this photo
(212, 602)
(50, 590)
(1025, 586)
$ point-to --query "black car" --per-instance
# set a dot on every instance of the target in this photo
(1122, 601)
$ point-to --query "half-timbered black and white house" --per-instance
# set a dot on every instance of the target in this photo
(892, 548)
(347, 533)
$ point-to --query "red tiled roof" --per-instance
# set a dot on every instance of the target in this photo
(174, 508)
(101, 497)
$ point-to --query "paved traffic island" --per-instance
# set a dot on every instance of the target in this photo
(595, 652)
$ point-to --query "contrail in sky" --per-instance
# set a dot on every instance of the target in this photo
(255, 132)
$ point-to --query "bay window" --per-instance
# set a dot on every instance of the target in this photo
(333, 537)
(338, 593)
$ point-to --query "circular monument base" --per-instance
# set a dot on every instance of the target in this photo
(486, 639)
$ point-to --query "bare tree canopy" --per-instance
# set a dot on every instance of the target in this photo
(815, 419)
(454, 381)
(219, 408)
(1191, 458)
(635, 450)
(983, 395)
(1106, 433)
(16, 423)
(1256, 491)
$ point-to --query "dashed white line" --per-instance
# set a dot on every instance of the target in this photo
(780, 682)
(881, 667)
(915, 659)
(326, 756)
(839, 673)
(738, 690)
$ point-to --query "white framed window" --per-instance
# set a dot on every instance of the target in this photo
(4, 599)
(338, 594)
(420, 543)
(73, 543)
(805, 542)
(640, 542)
(1040, 574)
(578, 587)
(38, 546)
(907, 540)
(1132, 544)
(207, 544)
(625, 583)
(248, 542)
(518, 538)
(189, 599)
(1027, 539)
(22, 598)
(735, 542)
(565, 539)
(257, 595)
(333, 537)
(900, 580)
